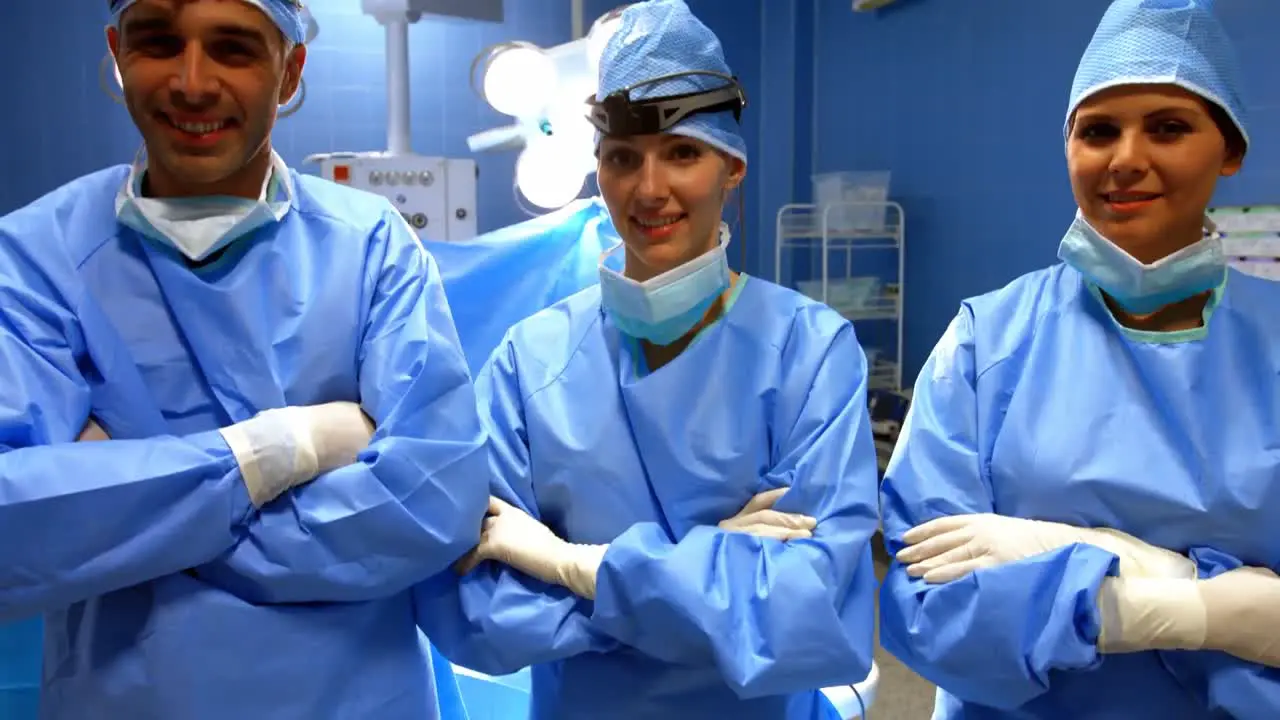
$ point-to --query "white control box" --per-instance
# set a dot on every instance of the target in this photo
(436, 196)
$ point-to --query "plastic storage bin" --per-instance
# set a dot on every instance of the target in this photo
(846, 295)
(853, 187)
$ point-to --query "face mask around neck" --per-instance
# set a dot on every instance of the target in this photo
(667, 307)
(1137, 287)
(198, 227)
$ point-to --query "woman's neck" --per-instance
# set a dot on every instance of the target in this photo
(1182, 315)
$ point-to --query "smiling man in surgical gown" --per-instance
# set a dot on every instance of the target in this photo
(1084, 497)
(687, 474)
(293, 432)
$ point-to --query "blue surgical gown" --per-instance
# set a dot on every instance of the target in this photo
(500, 278)
(689, 621)
(165, 594)
(1036, 404)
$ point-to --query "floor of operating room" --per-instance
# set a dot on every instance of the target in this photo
(901, 694)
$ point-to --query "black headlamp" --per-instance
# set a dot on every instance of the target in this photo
(617, 115)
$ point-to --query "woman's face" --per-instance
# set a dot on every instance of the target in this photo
(1144, 160)
(665, 194)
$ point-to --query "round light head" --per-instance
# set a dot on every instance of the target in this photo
(573, 134)
(518, 80)
(545, 179)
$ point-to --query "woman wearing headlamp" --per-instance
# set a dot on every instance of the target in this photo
(688, 479)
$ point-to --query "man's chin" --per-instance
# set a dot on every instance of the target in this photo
(195, 171)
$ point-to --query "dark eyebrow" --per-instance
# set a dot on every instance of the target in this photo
(1094, 117)
(1170, 110)
(1166, 111)
(144, 25)
(160, 24)
(243, 33)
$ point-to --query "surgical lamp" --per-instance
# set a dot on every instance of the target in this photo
(545, 91)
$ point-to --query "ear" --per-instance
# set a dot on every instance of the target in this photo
(737, 173)
(293, 64)
(1233, 163)
(113, 42)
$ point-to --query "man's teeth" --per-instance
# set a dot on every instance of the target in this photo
(199, 128)
(663, 222)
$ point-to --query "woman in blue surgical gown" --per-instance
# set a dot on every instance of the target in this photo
(1084, 496)
(690, 479)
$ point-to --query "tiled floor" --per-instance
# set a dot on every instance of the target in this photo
(901, 694)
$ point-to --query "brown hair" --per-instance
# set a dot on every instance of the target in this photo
(1236, 145)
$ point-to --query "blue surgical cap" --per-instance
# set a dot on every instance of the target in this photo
(1162, 42)
(288, 15)
(662, 37)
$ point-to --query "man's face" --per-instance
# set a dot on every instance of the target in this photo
(203, 80)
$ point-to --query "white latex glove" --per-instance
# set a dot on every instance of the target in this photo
(951, 547)
(92, 432)
(513, 537)
(1236, 613)
(1242, 614)
(1141, 614)
(760, 519)
(285, 447)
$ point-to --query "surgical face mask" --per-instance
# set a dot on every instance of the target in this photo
(200, 226)
(665, 308)
(1136, 287)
